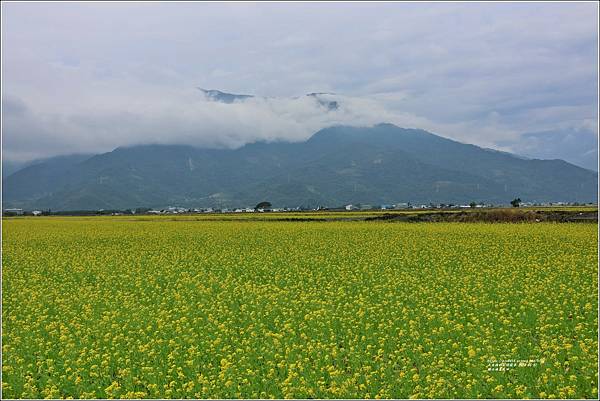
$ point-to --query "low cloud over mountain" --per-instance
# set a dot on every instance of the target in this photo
(194, 117)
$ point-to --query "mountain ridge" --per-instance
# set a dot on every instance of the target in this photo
(335, 166)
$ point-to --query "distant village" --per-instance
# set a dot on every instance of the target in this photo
(268, 208)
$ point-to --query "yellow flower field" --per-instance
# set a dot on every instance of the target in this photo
(165, 308)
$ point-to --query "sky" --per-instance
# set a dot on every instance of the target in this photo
(90, 77)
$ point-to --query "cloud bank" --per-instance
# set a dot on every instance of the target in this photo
(189, 118)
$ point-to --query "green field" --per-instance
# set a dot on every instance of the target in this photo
(170, 307)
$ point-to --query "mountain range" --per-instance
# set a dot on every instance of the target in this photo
(339, 165)
(215, 95)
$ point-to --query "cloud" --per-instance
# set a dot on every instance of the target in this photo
(88, 77)
(578, 146)
(187, 117)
